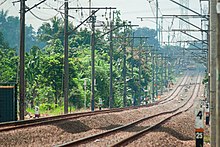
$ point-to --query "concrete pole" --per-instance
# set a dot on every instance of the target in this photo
(124, 70)
(218, 82)
(139, 71)
(111, 101)
(93, 64)
(156, 74)
(66, 61)
(157, 14)
(132, 69)
(152, 66)
(22, 59)
(212, 52)
(162, 73)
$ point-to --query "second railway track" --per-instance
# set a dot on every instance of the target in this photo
(74, 129)
(129, 131)
(47, 120)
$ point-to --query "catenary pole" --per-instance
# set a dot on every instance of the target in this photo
(93, 63)
(213, 19)
(23, 10)
(111, 101)
(66, 62)
(139, 71)
(132, 69)
(124, 70)
(22, 58)
(152, 66)
(218, 81)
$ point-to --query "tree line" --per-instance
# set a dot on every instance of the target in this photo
(44, 61)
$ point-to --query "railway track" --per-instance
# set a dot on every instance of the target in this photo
(175, 92)
(54, 119)
(132, 130)
(186, 107)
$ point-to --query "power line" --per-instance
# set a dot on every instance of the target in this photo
(2, 2)
(42, 19)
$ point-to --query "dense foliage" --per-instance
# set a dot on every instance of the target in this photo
(10, 27)
(44, 63)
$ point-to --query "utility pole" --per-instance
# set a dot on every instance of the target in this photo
(90, 5)
(157, 15)
(146, 61)
(152, 66)
(93, 20)
(124, 70)
(156, 75)
(139, 73)
(124, 66)
(93, 63)
(212, 52)
(139, 67)
(165, 70)
(111, 101)
(66, 61)
(218, 79)
(132, 69)
(162, 74)
(23, 10)
(85, 94)
(22, 58)
(158, 38)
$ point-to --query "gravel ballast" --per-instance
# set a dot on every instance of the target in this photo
(177, 132)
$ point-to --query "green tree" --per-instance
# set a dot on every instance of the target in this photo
(8, 65)
(10, 27)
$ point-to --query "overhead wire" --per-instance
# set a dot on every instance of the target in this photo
(83, 14)
(3, 2)
(42, 19)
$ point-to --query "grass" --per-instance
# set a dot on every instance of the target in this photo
(54, 111)
(207, 139)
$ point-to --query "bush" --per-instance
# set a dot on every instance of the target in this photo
(47, 106)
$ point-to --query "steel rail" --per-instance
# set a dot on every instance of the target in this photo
(48, 120)
(92, 137)
(151, 128)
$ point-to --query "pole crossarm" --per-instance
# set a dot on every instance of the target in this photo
(83, 22)
(185, 16)
(91, 8)
(199, 56)
(189, 23)
(28, 9)
(196, 49)
(189, 9)
(193, 41)
(130, 37)
(117, 28)
(190, 30)
(205, 42)
(150, 17)
(62, 12)
(97, 9)
(109, 32)
(193, 44)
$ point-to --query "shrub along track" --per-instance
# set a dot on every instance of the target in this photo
(53, 119)
(147, 123)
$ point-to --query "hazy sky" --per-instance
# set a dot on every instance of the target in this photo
(130, 10)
